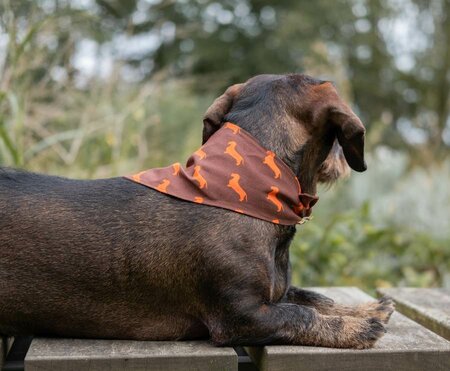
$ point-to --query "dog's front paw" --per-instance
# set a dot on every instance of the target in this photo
(371, 330)
(346, 332)
(360, 333)
(381, 309)
(385, 308)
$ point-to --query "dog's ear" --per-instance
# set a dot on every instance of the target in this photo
(350, 134)
(213, 119)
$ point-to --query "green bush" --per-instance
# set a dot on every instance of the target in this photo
(350, 249)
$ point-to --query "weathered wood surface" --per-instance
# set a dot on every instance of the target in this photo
(429, 307)
(121, 355)
(407, 346)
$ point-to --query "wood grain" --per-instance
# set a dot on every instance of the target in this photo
(121, 355)
(429, 307)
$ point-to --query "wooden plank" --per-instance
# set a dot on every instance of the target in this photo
(115, 355)
(407, 346)
(429, 307)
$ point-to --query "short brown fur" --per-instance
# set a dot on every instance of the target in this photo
(113, 259)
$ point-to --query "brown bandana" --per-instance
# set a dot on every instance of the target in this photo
(232, 171)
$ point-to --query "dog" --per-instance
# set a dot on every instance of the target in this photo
(112, 259)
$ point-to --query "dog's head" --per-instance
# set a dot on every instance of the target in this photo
(301, 119)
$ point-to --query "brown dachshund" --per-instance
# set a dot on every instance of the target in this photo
(111, 258)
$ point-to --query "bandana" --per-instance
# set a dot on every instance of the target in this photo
(233, 171)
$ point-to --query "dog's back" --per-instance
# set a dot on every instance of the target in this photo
(65, 244)
(98, 250)
(47, 227)
(33, 201)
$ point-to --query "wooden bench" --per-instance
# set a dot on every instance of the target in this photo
(406, 346)
(112, 355)
(429, 307)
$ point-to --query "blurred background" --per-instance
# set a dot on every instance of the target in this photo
(101, 88)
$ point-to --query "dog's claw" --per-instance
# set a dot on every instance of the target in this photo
(386, 300)
(374, 329)
(386, 307)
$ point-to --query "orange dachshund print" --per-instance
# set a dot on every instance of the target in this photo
(272, 197)
(231, 150)
(176, 168)
(199, 200)
(202, 183)
(235, 186)
(200, 153)
(137, 177)
(162, 187)
(234, 128)
(269, 160)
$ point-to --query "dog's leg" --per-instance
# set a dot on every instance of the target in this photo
(285, 323)
(381, 309)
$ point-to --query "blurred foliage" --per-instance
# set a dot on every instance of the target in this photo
(390, 57)
(349, 248)
(100, 88)
(389, 227)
